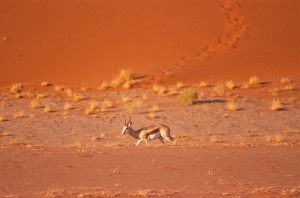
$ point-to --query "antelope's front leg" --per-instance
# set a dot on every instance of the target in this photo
(138, 142)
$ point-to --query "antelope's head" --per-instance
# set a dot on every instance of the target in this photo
(126, 126)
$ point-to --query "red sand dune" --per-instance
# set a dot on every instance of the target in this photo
(89, 41)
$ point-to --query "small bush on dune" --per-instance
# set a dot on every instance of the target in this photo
(67, 106)
(45, 84)
(188, 97)
(254, 81)
(230, 84)
(203, 84)
(276, 105)
(35, 104)
(219, 90)
(160, 90)
(16, 88)
(104, 85)
(124, 78)
(231, 105)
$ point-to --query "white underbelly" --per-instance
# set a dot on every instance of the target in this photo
(154, 136)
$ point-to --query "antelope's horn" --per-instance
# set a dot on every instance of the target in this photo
(129, 118)
(124, 119)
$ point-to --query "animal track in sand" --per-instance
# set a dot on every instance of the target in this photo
(235, 27)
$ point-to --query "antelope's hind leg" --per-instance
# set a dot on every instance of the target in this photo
(170, 139)
(161, 139)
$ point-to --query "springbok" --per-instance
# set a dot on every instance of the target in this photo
(158, 131)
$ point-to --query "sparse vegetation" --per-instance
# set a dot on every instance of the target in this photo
(124, 78)
(277, 138)
(152, 115)
(92, 108)
(232, 105)
(67, 106)
(18, 96)
(107, 103)
(179, 85)
(219, 90)
(159, 90)
(35, 104)
(77, 97)
(59, 88)
(203, 84)
(188, 97)
(41, 96)
(214, 139)
(47, 109)
(19, 114)
(16, 88)
(126, 99)
(104, 85)
(285, 81)
(155, 108)
(276, 105)
(2, 119)
(254, 81)
(230, 84)
(45, 84)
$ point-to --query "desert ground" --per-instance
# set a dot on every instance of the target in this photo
(229, 142)
(222, 74)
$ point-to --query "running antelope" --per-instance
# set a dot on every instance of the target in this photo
(160, 131)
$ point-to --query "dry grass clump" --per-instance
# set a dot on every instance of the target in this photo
(159, 90)
(59, 88)
(68, 106)
(127, 85)
(77, 97)
(92, 108)
(126, 99)
(230, 84)
(232, 105)
(3, 119)
(35, 104)
(188, 97)
(104, 85)
(219, 90)
(19, 114)
(254, 81)
(277, 138)
(155, 108)
(180, 85)
(47, 109)
(202, 84)
(214, 139)
(41, 96)
(69, 92)
(289, 87)
(16, 88)
(18, 96)
(107, 103)
(285, 81)
(124, 78)
(45, 84)
(151, 115)
(130, 107)
(276, 105)
(172, 92)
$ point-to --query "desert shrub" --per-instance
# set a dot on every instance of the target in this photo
(276, 105)
(188, 97)
(254, 81)
(158, 89)
(219, 89)
(16, 88)
(230, 84)
(232, 105)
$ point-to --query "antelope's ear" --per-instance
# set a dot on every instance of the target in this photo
(129, 123)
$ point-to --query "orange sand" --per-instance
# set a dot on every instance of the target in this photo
(86, 42)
